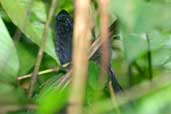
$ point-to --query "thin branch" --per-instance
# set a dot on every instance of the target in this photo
(55, 69)
(41, 49)
(150, 70)
(39, 73)
(80, 56)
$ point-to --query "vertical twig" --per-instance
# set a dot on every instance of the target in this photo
(104, 38)
(80, 56)
(41, 49)
(149, 58)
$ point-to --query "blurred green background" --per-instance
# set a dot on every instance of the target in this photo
(144, 27)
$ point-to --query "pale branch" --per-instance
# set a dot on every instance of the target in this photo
(82, 30)
(39, 73)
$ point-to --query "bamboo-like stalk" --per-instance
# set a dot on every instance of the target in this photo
(105, 55)
(41, 49)
(104, 38)
(80, 56)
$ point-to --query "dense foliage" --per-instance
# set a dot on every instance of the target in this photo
(140, 58)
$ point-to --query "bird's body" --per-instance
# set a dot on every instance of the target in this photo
(64, 31)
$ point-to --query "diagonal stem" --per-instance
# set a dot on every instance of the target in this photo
(41, 49)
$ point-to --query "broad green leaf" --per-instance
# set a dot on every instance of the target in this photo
(52, 101)
(125, 10)
(27, 57)
(39, 9)
(136, 44)
(156, 103)
(93, 73)
(153, 16)
(92, 83)
(33, 29)
(92, 87)
(9, 63)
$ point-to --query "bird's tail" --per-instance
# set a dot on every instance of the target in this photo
(116, 86)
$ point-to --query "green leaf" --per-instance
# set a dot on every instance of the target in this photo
(33, 28)
(39, 9)
(65, 4)
(92, 88)
(93, 73)
(155, 103)
(152, 16)
(27, 57)
(136, 44)
(9, 63)
(51, 100)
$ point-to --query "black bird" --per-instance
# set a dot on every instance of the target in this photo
(64, 31)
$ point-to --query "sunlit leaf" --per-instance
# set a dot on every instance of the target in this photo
(155, 104)
(52, 100)
(9, 63)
